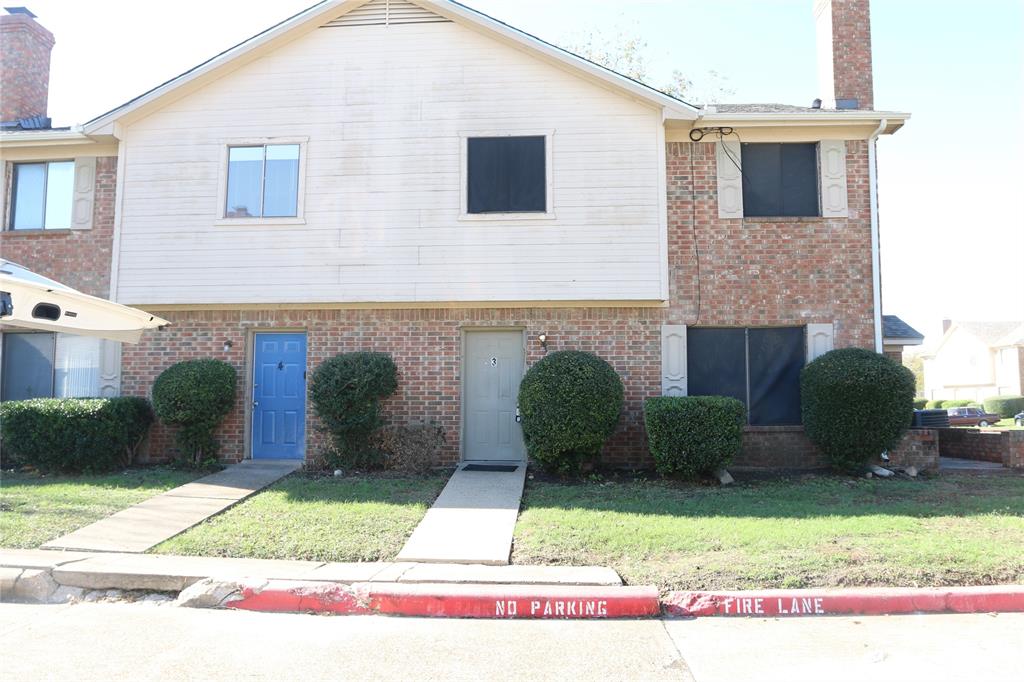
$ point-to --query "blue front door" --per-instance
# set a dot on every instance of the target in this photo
(279, 397)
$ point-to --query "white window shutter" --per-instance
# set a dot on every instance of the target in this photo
(832, 164)
(730, 179)
(110, 369)
(673, 359)
(85, 190)
(819, 340)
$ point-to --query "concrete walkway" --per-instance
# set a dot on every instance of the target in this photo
(472, 520)
(168, 573)
(147, 524)
(973, 465)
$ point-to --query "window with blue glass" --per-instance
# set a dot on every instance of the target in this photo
(263, 181)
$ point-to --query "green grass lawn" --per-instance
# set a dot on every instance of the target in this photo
(359, 518)
(35, 508)
(809, 532)
(1007, 423)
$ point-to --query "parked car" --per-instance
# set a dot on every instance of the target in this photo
(971, 416)
(1018, 419)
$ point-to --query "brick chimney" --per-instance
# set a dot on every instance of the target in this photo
(24, 65)
(844, 54)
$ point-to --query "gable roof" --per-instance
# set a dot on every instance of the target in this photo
(329, 10)
(895, 328)
(993, 334)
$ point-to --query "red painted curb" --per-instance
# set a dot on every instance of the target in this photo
(449, 601)
(866, 602)
(514, 601)
(285, 596)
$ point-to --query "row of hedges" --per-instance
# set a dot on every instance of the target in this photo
(74, 435)
(946, 404)
(1005, 406)
(855, 404)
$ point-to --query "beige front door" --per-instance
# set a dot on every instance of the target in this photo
(492, 368)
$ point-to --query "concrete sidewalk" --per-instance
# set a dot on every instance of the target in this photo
(147, 524)
(167, 573)
(471, 522)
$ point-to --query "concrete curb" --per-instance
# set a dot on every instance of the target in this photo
(865, 602)
(448, 600)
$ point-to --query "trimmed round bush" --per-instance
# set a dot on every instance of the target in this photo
(1006, 406)
(195, 395)
(855, 404)
(920, 403)
(957, 403)
(694, 435)
(346, 391)
(74, 435)
(570, 403)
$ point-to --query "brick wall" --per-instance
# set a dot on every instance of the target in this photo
(752, 273)
(988, 445)
(78, 258)
(24, 67)
(918, 448)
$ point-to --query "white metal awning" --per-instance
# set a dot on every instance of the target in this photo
(31, 301)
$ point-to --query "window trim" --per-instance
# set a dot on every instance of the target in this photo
(12, 185)
(222, 182)
(549, 211)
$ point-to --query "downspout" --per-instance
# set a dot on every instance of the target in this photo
(876, 257)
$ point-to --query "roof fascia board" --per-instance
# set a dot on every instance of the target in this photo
(751, 120)
(672, 107)
(229, 60)
(50, 138)
(902, 341)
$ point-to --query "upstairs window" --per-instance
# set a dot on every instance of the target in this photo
(263, 181)
(42, 195)
(506, 174)
(780, 180)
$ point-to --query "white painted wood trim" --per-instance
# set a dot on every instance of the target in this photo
(115, 250)
(549, 143)
(222, 181)
(730, 179)
(662, 213)
(84, 193)
(820, 340)
(673, 359)
(832, 166)
(110, 369)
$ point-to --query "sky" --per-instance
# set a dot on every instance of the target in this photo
(950, 180)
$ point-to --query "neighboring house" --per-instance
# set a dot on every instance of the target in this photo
(976, 360)
(897, 335)
(420, 179)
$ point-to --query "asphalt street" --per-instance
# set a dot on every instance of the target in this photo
(120, 641)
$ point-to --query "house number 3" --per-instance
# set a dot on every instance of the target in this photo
(494, 362)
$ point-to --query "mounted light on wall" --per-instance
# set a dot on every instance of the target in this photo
(543, 338)
(227, 345)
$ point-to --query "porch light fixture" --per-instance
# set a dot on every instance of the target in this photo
(227, 345)
(543, 338)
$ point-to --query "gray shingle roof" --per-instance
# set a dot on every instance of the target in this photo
(895, 328)
(765, 108)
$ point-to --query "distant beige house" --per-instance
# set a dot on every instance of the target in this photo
(976, 360)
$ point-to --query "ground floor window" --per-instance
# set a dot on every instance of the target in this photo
(44, 365)
(758, 366)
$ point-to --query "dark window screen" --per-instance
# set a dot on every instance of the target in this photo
(780, 179)
(716, 362)
(27, 366)
(776, 357)
(506, 175)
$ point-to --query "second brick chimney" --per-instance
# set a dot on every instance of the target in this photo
(25, 48)
(844, 54)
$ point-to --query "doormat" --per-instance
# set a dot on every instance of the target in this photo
(490, 467)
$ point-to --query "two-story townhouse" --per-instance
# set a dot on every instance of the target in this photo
(414, 177)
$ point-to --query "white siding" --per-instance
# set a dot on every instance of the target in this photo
(383, 108)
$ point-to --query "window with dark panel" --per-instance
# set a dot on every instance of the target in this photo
(506, 175)
(780, 180)
(760, 367)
